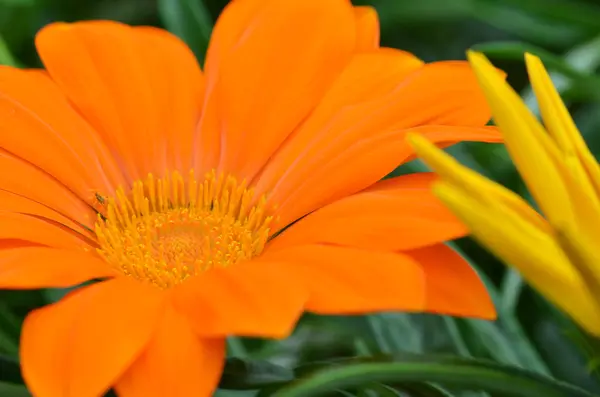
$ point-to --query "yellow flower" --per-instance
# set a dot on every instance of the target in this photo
(555, 253)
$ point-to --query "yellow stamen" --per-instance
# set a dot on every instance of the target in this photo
(166, 230)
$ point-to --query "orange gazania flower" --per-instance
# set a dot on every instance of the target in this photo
(223, 203)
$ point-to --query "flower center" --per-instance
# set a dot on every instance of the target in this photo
(167, 230)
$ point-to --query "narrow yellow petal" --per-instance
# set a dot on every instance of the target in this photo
(504, 232)
(591, 165)
(532, 150)
(470, 181)
(587, 261)
(558, 120)
(586, 207)
(580, 182)
(535, 254)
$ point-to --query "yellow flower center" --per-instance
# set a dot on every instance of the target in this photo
(167, 230)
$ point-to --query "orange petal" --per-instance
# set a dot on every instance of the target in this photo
(352, 281)
(11, 202)
(228, 30)
(231, 25)
(41, 231)
(396, 214)
(178, 88)
(343, 150)
(249, 299)
(30, 182)
(273, 72)
(333, 130)
(443, 93)
(41, 127)
(41, 267)
(446, 135)
(176, 363)
(367, 28)
(16, 243)
(453, 286)
(136, 86)
(81, 345)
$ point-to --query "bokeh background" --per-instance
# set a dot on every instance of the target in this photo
(529, 333)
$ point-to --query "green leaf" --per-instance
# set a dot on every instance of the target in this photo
(190, 20)
(583, 85)
(516, 50)
(577, 13)
(576, 68)
(245, 375)
(584, 58)
(463, 373)
(6, 57)
(379, 390)
(394, 332)
(489, 335)
(10, 370)
(17, 3)
(425, 390)
(455, 334)
(10, 326)
(236, 348)
(520, 344)
(527, 26)
(235, 393)
(10, 390)
(512, 285)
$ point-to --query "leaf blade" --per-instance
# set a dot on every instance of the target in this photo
(190, 20)
(470, 374)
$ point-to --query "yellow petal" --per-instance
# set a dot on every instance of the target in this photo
(583, 256)
(557, 119)
(471, 182)
(534, 253)
(555, 115)
(579, 162)
(586, 207)
(532, 150)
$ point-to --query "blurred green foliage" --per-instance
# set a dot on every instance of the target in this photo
(529, 334)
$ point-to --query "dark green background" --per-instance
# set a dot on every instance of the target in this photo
(529, 333)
